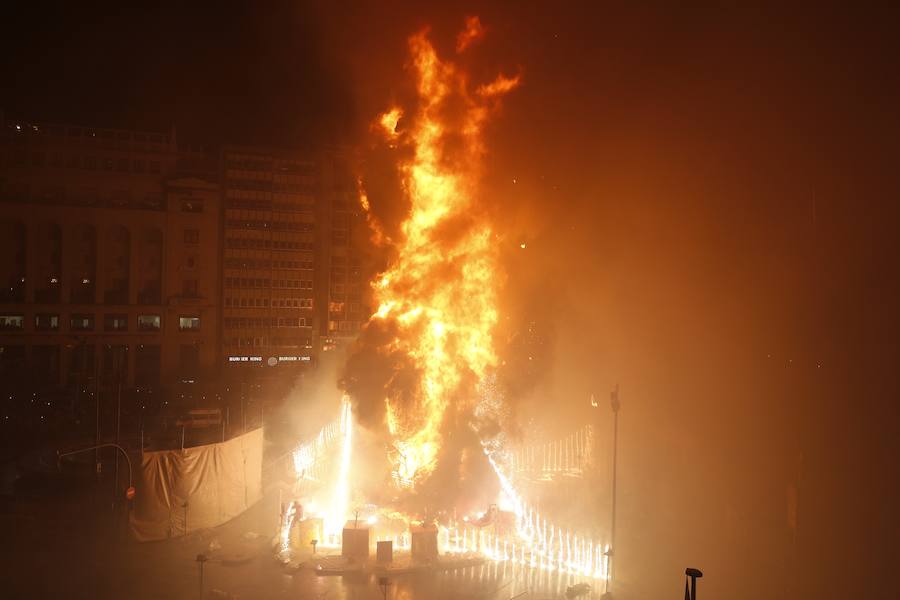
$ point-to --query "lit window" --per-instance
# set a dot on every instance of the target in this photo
(12, 322)
(189, 323)
(45, 322)
(82, 323)
(149, 322)
(115, 322)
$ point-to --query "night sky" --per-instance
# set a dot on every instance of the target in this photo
(709, 197)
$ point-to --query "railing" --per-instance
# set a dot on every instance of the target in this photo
(570, 454)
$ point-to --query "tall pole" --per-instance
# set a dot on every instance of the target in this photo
(201, 558)
(97, 405)
(614, 403)
(118, 430)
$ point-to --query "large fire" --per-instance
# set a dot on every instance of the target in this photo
(438, 302)
(440, 292)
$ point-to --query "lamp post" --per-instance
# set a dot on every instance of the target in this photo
(97, 464)
(614, 404)
(118, 427)
(384, 583)
(201, 558)
(693, 574)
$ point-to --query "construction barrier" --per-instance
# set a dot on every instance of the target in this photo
(180, 491)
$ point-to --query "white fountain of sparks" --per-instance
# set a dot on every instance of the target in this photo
(544, 545)
(337, 514)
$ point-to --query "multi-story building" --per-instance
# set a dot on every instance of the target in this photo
(128, 258)
(271, 228)
(343, 250)
(110, 263)
(291, 272)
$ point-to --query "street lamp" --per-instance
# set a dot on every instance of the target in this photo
(615, 405)
(694, 574)
(384, 583)
(201, 558)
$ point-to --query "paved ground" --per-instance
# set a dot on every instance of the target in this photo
(61, 539)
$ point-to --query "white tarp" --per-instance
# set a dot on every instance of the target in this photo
(216, 482)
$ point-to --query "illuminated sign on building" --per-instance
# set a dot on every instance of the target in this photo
(272, 360)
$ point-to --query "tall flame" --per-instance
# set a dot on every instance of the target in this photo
(440, 292)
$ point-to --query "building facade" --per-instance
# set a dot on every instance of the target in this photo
(110, 257)
(130, 260)
(271, 228)
(291, 280)
(344, 251)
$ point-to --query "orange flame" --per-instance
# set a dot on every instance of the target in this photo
(389, 122)
(473, 31)
(379, 237)
(440, 292)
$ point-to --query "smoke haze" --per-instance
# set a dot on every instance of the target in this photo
(693, 234)
(707, 199)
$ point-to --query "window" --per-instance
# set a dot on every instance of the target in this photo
(191, 205)
(189, 323)
(138, 165)
(189, 288)
(115, 322)
(191, 236)
(12, 322)
(45, 360)
(82, 323)
(148, 322)
(147, 365)
(154, 166)
(115, 361)
(189, 360)
(45, 322)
